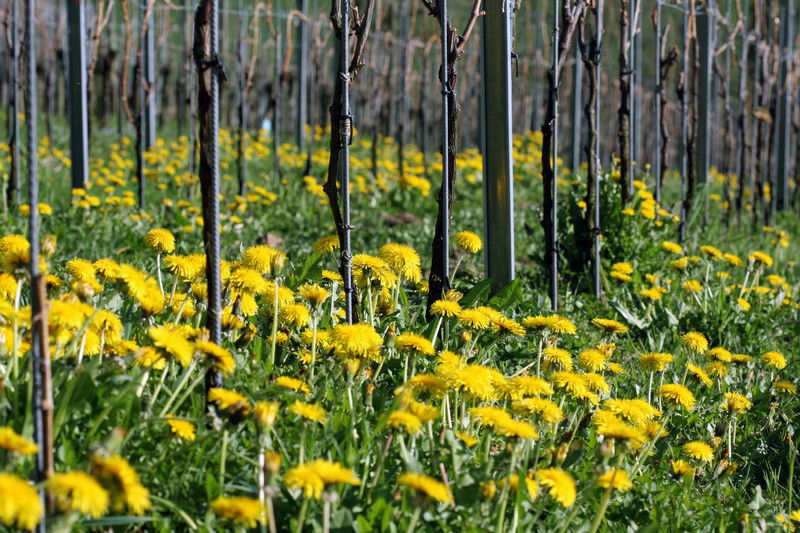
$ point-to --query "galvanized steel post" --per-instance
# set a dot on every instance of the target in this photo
(497, 142)
(78, 111)
(784, 104)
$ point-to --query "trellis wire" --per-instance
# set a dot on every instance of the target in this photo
(40, 366)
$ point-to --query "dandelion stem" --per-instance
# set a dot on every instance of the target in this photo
(412, 525)
(158, 271)
(274, 342)
(223, 455)
(301, 516)
(184, 378)
(501, 515)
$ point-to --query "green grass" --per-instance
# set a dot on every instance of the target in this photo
(101, 406)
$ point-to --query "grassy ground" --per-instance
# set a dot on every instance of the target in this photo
(399, 394)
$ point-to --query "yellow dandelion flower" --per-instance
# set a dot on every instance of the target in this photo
(672, 247)
(414, 344)
(557, 357)
(615, 479)
(230, 401)
(309, 411)
(735, 402)
(78, 491)
(20, 505)
(181, 428)
(678, 395)
(695, 341)
(682, 468)
(655, 362)
(469, 242)
(326, 245)
(559, 484)
(774, 359)
(241, 511)
(11, 441)
(161, 240)
(404, 420)
(356, 341)
(612, 326)
(761, 258)
(699, 450)
(445, 308)
(121, 478)
(426, 486)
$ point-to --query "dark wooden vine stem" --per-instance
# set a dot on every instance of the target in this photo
(438, 283)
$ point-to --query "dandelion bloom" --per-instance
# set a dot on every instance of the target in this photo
(554, 323)
(678, 395)
(296, 315)
(699, 450)
(655, 362)
(427, 486)
(314, 294)
(761, 258)
(636, 410)
(467, 439)
(476, 381)
(521, 386)
(717, 369)
(229, 400)
(356, 341)
(445, 308)
(259, 258)
(403, 259)
(220, 357)
(774, 359)
(695, 341)
(295, 384)
(265, 413)
(181, 428)
(557, 357)
(415, 344)
(115, 472)
(326, 245)
(548, 411)
(733, 260)
(469, 242)
(786, 387)
(13, 442)
(173, 344)
(711, 251)
(404, 420)
(161, 240)
(699, 373)
(616, 479)
(735, 402)
(309, 411)
(20, 505)
(693, 286)
(610, 325)
(672, 247)
(429, 383)
(312, 477)
(682, 468)
(559, 483)
(720, 354)
(625, 268)
(78, 491)
(474, 319)
(593, 360)
(241, 511)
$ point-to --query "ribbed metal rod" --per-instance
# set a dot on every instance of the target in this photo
(40, 433)
(213, 258)
(13, 181)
